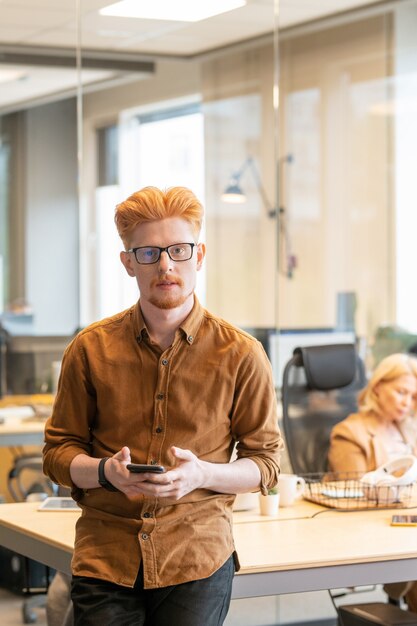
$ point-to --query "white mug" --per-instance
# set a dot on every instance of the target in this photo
(290, 488)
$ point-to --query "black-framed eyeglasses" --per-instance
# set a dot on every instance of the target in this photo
(145, 255)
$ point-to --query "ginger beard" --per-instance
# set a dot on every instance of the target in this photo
(168, 300)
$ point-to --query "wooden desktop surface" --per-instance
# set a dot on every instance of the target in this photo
(304, 548)
(46, 399)
(28, 430)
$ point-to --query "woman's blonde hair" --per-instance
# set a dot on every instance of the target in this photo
(390, 368)
(150, 203)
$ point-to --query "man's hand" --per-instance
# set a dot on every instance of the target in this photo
(187, 475)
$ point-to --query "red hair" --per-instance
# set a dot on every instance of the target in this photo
(150, 203)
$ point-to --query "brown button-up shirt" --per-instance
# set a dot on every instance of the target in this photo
(211, 389)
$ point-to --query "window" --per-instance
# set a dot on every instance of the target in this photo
(162, 147)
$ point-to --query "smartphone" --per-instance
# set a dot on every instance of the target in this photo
(140, 468)
(404, 520)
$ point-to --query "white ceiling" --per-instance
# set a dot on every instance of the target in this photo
(30, 26)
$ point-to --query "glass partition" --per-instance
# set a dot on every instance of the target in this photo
(344, 111)
(321, 246)
(39, 200)
(39, 300)
(239, 148)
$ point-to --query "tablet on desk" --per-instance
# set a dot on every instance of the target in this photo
(404, 520)
(58, 504)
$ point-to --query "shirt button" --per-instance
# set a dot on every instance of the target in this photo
(159, 429)
(147, 515)
(160, 396)
(145, 536)
(164, 361)
(190, 338)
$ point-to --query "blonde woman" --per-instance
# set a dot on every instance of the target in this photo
(384, 427)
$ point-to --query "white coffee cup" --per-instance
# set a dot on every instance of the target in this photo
(290, 488)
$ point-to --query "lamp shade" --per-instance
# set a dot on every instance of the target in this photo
(233, 194)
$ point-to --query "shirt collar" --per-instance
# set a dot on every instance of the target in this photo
(139, 325)
(192, 323)
(189, 326)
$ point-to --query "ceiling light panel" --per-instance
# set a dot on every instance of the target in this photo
(179, 11)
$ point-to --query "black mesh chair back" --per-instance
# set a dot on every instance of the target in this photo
(26, 477)
(319, 388)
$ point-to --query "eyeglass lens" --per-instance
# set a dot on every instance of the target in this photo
(176, 252)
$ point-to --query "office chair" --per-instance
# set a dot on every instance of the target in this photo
(26, 477)
(376, 613)
(319, 389)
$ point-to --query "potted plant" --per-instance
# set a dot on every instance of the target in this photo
(269, 504)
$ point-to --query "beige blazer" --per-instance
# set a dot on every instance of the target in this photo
(357, 443)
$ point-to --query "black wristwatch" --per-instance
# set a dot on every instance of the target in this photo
(101, 477)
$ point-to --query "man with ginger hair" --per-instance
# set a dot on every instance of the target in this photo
(163, 383)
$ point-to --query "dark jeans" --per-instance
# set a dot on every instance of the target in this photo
(198, 603)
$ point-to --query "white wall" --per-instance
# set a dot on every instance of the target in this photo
(171, 80)
(52, 218)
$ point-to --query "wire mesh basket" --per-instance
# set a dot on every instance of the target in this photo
(344, 490)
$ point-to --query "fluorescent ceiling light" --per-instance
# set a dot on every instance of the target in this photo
(9, 76)
(175, 10)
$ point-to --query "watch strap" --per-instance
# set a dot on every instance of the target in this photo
(102, 478)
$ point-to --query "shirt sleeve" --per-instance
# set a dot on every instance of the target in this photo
(255, 416)
(68, 430)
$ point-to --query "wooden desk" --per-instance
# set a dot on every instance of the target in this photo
(333, 549)
(44, 399)
(46, 536)
(22, 433)
(18, 431)
(294, 552)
